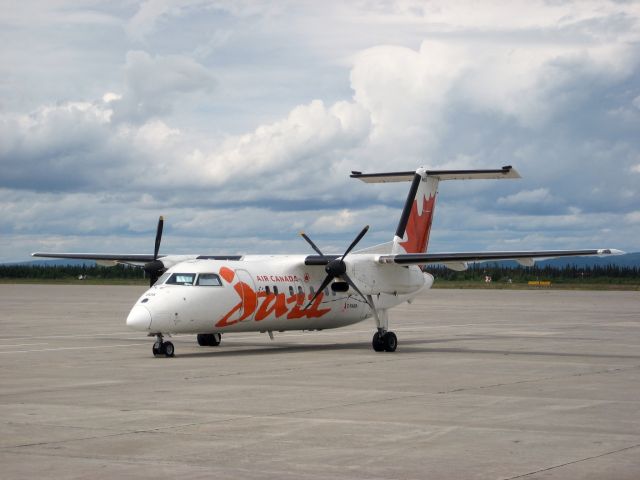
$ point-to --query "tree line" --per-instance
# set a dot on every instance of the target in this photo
(65, 272)
(519, 274)
(476, 272)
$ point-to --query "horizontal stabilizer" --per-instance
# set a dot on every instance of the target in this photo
(491, 174)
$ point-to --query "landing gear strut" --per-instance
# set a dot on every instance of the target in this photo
(384, 341)
(161, 347)
(209, 339)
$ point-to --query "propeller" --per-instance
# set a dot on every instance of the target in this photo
(155, 268)
(337, 268)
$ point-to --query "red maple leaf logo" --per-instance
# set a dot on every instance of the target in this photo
(419, 226)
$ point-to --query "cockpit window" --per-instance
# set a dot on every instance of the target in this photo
(181, 279)
(162, 278)
(209, 280)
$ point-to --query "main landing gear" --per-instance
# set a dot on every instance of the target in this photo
(163, 348)
(209, 339)
(384, 341)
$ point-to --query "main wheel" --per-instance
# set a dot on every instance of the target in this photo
(168, 348)
(377, 343)
(390, 342)
(157, 348)
(209, 339)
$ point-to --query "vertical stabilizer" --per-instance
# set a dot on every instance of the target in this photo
(412, 234)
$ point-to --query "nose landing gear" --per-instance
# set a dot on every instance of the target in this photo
(161, 347)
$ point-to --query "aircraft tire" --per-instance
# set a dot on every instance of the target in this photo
(377, 342)
(157, 348)
(209, 339)
(390, 342)
(169, 349)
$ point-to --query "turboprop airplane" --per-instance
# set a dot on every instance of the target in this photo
(211, 295)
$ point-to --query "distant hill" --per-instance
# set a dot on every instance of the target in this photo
(626, 260)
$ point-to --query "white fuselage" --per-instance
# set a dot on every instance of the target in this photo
(269, 293)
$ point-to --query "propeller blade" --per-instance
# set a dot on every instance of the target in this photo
(346, 278)
(325, 282)
(355, 242)
(158, 237)
(310, 242)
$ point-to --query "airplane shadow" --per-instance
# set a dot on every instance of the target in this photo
(404, 347)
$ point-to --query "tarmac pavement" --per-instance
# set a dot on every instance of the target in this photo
(485, 384)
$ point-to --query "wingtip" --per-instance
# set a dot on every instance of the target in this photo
(610, 251)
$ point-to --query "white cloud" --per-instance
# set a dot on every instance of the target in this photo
(539, 196)
(308, 134)
(154, 84)
(405, 91)
(336, 221)
(210, 111)
(633, 217)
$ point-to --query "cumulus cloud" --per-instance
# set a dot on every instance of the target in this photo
(152, 12)
(308, 134)
(527, 197)
(154, 84)
(280, 105)
(56, 147)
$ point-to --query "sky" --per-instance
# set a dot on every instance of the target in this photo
(240, 122)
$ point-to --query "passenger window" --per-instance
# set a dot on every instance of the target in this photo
(311, 290)
(291, 291)
(300, 299)
(181, 279)
(275, 289)
(267, 290)
(209, 280)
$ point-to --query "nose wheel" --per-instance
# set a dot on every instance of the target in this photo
(161, 347)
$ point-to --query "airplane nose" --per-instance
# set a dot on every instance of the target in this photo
(139, 318)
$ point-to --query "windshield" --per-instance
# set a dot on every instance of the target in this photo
(181, 279)
(162, 278)
(209, 280)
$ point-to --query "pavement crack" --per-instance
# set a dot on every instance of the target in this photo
(574, 462)
(542, 379)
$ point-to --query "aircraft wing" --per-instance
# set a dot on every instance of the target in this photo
(102, 258)
(458, 260)
(134, 259)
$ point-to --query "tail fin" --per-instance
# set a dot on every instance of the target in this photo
(412, 234)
